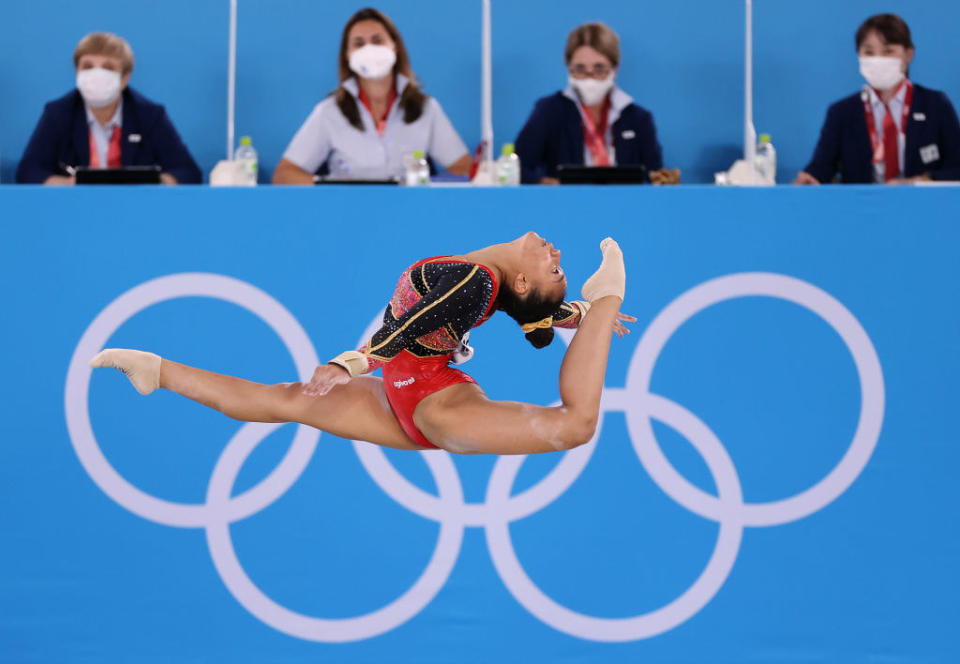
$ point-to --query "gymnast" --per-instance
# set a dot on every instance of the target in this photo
(422, 402)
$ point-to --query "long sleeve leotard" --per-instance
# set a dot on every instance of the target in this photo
(436, 302)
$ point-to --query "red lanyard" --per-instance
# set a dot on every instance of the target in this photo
(594, 135)
(871, 121)
(114, 150)
(380, 122)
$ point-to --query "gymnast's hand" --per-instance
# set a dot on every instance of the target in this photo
(619, 328)
(325, 378)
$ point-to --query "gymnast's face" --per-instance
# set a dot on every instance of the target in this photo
(539, 268)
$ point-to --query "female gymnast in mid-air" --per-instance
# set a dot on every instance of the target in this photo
(422, 402)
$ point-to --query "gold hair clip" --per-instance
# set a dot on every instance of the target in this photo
(540, 324)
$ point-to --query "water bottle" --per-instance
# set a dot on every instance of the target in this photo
(766, 161)
(508, 167)
(416, 169)
(246, 156)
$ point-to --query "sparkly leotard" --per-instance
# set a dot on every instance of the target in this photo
(436, 303)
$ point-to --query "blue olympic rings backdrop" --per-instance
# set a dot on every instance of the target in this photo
(773, 478)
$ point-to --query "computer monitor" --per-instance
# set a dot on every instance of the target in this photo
(330, 179)
(123, 175)
(580, 174)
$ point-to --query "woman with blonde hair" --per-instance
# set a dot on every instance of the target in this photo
(592, 121)
(104, 123)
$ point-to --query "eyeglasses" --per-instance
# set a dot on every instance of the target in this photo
(596, 71)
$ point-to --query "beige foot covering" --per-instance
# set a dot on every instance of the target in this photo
(611, 277)
(143, 369)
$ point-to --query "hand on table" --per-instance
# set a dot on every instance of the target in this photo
(911, 180)
(665, 176)
(61, 180)
(805, 178)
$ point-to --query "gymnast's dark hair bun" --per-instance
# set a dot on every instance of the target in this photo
(540, 337)
(532, 309)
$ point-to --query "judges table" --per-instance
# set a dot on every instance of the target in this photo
(773, 477)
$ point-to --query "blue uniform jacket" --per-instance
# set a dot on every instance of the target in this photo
(844, 145)
(62, 138)
(553, 135)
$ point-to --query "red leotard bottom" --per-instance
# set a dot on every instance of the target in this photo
(409, 379)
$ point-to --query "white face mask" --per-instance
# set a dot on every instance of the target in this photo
(372, 61)
(881, 72)
(99, 87)
(591, 90)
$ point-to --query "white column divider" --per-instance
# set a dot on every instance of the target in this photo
(232, 79)
(749, 132)
(487, 89)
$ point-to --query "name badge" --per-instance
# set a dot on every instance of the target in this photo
(629, 133)
(134, 138)
(919, 117)
(929, 153)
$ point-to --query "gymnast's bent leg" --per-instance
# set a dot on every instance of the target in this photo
(462, 419)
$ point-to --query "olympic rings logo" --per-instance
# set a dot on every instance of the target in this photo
(500, 508)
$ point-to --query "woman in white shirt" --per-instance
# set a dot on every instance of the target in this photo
(377, 115)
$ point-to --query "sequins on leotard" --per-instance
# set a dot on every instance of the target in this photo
(436, 302)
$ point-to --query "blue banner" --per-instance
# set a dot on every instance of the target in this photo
(773, 477)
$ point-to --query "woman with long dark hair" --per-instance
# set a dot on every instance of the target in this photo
(422, 402)
(376, 115)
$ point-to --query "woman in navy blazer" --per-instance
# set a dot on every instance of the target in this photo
(592, 121)
(891, 114)
(104, 122)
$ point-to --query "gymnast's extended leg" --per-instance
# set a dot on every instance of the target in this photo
(357, 410)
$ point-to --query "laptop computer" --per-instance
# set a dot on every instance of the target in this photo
(580, 174)
(123, 175)
(330, 179)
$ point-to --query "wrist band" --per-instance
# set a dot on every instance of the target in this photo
(582, 306)
(353, 361)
